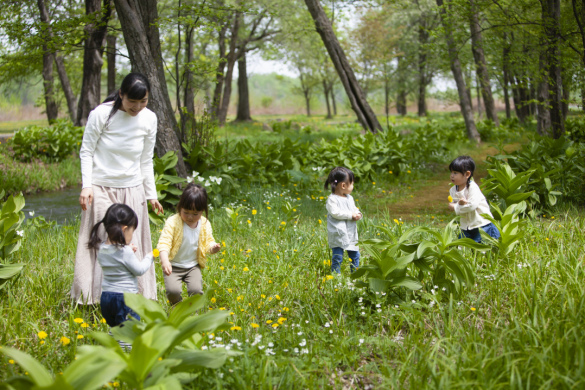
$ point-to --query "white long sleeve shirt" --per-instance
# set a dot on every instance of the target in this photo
(121, 268)
(476, 205)
(119, 155)
(341, 228)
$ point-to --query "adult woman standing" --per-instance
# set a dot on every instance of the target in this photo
(116, 167)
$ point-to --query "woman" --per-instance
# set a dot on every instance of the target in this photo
(116, 167)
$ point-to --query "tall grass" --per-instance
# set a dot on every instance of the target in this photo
(521, 326)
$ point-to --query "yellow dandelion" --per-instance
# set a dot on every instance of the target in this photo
(329, 277)
(79, 336)
(283, 223)
(254, 212)
(263, 296)
(64, 340)
(221, 268)
(277, 297)
(245, 269)
(213, 300)
(155, 253)
(473, 309)
(269, 322)
(374, 183)
(85, 325)
(223, 244)
(450, 199)
(390, 172)
(269, 208)
(78, 320)
(236, 328)
(103, 320)
(11, 361)
(42, 334)
(408, 171)
(396, 221)
(275, 326)
(253, 325)
(281, 320)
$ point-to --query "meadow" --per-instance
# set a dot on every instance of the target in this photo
(519, 324)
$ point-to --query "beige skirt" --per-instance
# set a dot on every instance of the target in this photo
(87, 279)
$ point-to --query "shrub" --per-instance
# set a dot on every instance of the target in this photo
(53, 143)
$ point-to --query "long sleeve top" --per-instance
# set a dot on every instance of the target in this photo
(171, 238)
(119, 154)
(341, 228)
(121, 268)
(476, 205)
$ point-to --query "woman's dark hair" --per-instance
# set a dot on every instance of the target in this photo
(463, 164)
(117, 216)
(336, 176)
(134, 86)
(194, 197)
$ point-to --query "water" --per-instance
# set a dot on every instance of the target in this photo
(60, 206)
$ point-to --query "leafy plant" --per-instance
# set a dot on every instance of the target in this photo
(11, 218)
(506, 184)
(166, 181)
(235, 217)
(510, 225)
(165, 350)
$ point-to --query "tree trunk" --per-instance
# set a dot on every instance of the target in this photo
(332, 94)
(243, 112)
(111, 56)
(90, 95)
(551, 15)
(387, 101)
(231, 62)
(188, 124)
(48, 34)
(566, 95)
(326, 94)
(401, 93)
(478, 93)
(355, 94)
(481, 66)
(465, 102)
(219, 75)
(423, 37)
(506, 74)
(138, 19)
(401, 103)
(51, 108)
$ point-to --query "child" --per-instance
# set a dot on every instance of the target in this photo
(184, 243)
(341, 218)
(119, 264)
(468, 201)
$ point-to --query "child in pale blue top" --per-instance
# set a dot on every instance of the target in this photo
(119, 263)
(342, 215)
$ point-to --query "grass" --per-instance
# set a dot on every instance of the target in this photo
(11, 126)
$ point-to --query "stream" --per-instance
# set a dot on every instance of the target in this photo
(59, 206)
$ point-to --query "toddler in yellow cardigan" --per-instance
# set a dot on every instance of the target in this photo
(184, 244)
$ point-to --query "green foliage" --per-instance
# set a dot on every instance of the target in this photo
(11, 218)
(506, 185)
(53, 143)
(554, 167)
(575, 128)
(166, 350)
(510, 225)
(436, 257)
(166, 180)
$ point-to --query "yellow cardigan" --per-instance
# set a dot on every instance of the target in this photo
(172, 236)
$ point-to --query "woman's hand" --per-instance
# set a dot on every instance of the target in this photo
(156, 206)
(214, 248)
(85, 198)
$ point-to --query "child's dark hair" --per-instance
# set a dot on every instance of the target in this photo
(134, 86)
(336, 176)
(463, 164)
(194, 197)
(117, 216)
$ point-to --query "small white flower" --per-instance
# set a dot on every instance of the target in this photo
(20, 233)
(271, 345)
(189, 179)
(204, 348)
(379, 310)
(261, 346)
(300, 333)
(31, 213)
(303, 343)
(378, 305)
(361, 341)
(207, 183)
(413, 301)
(305, 350)
(220, 375)
(363, 313)
(330, 331)
(444, 289)
(296, 350)
(327, 325)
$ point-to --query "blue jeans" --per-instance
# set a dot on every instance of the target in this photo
(114, 309)
(474, 234)
(338, 258)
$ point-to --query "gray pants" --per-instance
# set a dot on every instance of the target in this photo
(174, 283)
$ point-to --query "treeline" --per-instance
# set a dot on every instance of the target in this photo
(528, 53)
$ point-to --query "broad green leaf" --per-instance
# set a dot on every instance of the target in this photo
(408, 282)
(93, 368)
(202, 323)
(144, 307)
(36, 371)
(187, 307)
(193, 359)
(148, 347)
(378, 285)
(7, 271)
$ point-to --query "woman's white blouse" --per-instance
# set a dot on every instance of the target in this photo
(120, 154)
(341, 228)
(476, 205)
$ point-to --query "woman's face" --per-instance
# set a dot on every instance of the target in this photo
(132, 106)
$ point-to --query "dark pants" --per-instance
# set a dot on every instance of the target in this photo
(114, 309)
(474, 234)
(337, 258)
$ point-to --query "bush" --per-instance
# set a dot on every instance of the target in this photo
(52, 143)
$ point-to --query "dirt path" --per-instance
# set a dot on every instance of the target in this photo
(432, 197)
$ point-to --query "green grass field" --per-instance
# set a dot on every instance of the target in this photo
(521, 325)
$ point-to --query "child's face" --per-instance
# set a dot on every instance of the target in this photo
(191, 217)
(460, 179)
(345, 188)
(128, 233)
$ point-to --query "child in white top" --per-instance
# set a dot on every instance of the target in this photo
(120, 266)
(342, 215)
(184, 243)
(468, 200)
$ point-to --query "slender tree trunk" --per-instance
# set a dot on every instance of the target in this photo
(90, 95)
(566, 95)
(478, 93)
(355, 94)
(401, 93)
(551, 15)
(387, 101)
(138, 19)
(506, 74)
(580, 19)
(51, 108)
(465, 103)
(332, 94)
(481, 66)
(219, 73)
(48, 34)
(423, 37)
(111, 57)
(533, 97)
(189, 123)
(231, 62)
(243, 112)
(326, 94)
